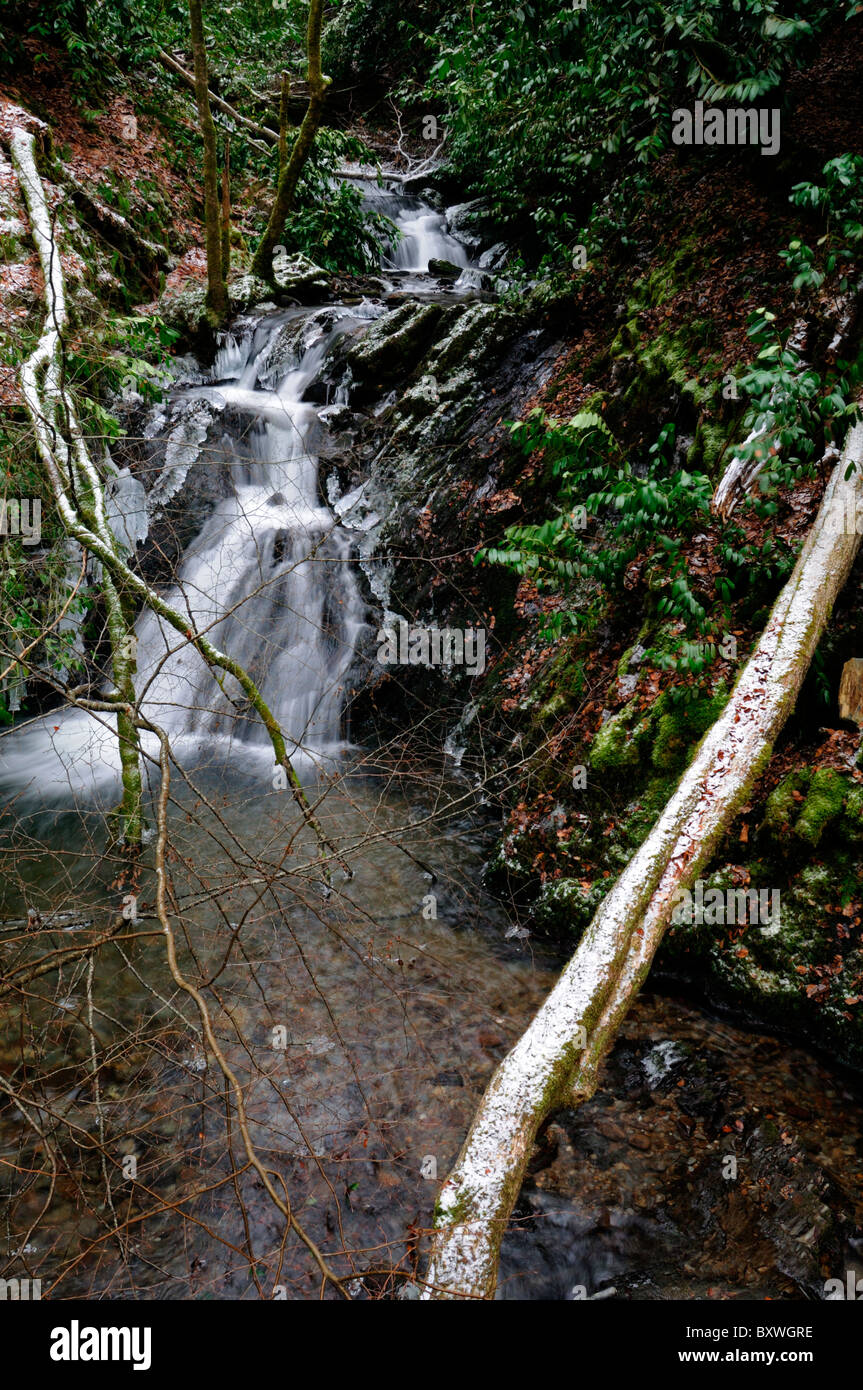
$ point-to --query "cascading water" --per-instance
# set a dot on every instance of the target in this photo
(424, 233)
(269, 579)
(424, 237)
(273, 560)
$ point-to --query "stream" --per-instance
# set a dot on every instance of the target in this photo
(364, 1016)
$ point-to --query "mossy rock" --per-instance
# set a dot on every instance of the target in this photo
(614, 748)
(670, 360)
(394, 344)
(626, 339)
(681, 726)
(709, 445)
(852, 816)
(560, 685)
(565, 907)
(478, 330)
(186, 309)
(782, 803)
(822, 805)
(662, 282)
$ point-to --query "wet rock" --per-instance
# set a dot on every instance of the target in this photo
(445, 270)
(687, 1177)
(295, 278)
(495, 258)
(461, 215)
(394, 344)
(185, 310)
(476, 331)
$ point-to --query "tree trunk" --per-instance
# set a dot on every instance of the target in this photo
(217, 294)
(226, 210)
(557, 1059)
(283, 122)
(289, 175)
(61, 446)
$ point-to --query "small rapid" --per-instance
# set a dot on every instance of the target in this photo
(269, 578)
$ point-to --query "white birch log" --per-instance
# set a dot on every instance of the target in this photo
(556, 1061)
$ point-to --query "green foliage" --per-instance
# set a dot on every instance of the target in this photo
(793, 409)
(839, 202)
(647, 505)
(102, 36)
(331, 225)
(548, 103)
(97, 34)
(379, 41)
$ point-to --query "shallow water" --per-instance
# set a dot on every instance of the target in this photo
(393, 1021)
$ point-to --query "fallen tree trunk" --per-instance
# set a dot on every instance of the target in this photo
(557, 1059)
(225, 107)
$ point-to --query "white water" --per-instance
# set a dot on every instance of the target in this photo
(424, 233)
(424, 237)
(269, 577)
(269, 580)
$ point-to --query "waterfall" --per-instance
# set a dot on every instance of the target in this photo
(269, 579)
(424, 233)
(424, 237)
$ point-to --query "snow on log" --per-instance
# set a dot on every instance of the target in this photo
(556, 1061)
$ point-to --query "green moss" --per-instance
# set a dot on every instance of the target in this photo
(564, 906)
(643, 641)
(614, 749)
(822, 805)
(641, 813)
(852, 817)
(782, 804)
(662, 282)
(710, 443)
(626, 339)
(560, 684)
(680, 726)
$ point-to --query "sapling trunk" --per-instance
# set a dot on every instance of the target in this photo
(217, 294)
(289, 174)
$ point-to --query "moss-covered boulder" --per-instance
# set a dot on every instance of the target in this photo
(567, 905)
(394, 344)
(615, 748)
(822, 805)
(680, 726)
(805, 802)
